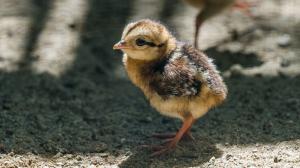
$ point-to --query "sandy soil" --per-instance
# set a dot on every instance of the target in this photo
(65, 100)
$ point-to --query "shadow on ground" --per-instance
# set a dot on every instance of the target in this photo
(258, 110)
(187, 154)
(101, 30)
(46, 115)
(226, 59)
(39, 19)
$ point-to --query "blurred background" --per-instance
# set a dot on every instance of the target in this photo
(65, 99)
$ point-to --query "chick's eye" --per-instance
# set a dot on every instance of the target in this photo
(140, 42)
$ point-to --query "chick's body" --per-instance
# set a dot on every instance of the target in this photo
(183, 83)
(178, 80)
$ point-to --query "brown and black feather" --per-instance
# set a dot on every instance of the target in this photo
(177, 74)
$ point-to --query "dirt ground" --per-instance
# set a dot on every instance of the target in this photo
(65, 100)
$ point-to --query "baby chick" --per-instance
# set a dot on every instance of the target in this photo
(178, 80)
(210, 8)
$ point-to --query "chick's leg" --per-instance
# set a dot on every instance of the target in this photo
(188, 134)
(198, 23)
(169, 136)
(172, 144)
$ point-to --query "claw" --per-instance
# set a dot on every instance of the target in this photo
(166, 149)
(164, 136)
(166, 141)
(160, 152)
(159, 149)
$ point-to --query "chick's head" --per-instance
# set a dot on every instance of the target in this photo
(145, 40)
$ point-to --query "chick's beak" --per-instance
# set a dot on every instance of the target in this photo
(120, 45)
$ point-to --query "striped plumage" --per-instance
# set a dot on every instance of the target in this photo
(182, 73)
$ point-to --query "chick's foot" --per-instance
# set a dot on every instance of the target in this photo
(186, 136)
(172, 141)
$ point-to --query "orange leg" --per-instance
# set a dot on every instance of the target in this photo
(173, 141)
(168, 136)
(198, 23)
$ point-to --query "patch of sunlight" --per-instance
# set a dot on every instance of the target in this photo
(56, 46)
(291, 9)
(281, 11)
(184, 21)
(273, 39)
(269, 68)
(62, 160)
(14, 31)
(219, 28)
(146, 9)
(15, 22)
(281, 154)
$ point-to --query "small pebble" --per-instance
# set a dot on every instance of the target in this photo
(11, 154)
(59, 154)
(59, 163)
(78, 158)
(103, 154)
(101, 147)
(212, 159)
(284, 40)
(69, 156)
(228, 157)
(276, 160)
(29, 162)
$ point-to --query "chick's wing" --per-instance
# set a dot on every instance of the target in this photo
(206, 70)
(176, 78)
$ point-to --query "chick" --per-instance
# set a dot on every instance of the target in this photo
(210, 8)
(178, 80)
